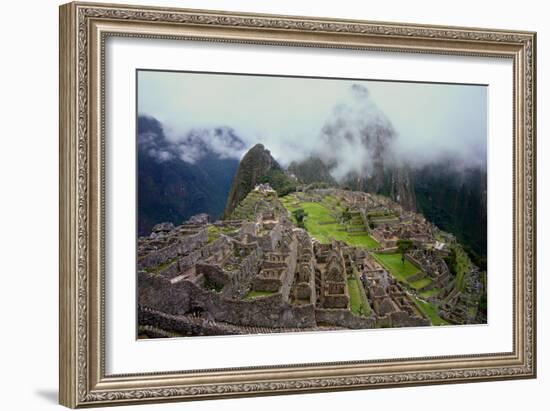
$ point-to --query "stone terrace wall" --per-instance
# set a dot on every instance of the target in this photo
(263, 312)
(269, 241)
(183, 324)
(403, 319)
(249, 267)
(180, 265)
(343, 318)
(182, 246)
(288, 275)
(158, 293)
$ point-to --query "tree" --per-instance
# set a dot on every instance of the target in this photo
(346, 215)
(300, 216)
(404, 245)
(452, 262)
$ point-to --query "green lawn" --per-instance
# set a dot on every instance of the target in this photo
(323, 225)
(430, 310)
(429, 293)
(363, 240)
(463, 266)
(358, 300)
(399, 269)
(256, 294)
(214, 232)
(290, 202)
(161, 267)
(418, 285)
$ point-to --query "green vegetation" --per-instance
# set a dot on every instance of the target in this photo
(478, 260)
(403, 270)
(454, 202)
(312, 170)
(255, 202)
(380, 217)
(290, 202)
(334, 203)
(214, 232)
(322, 223)
(430, 293)
(257, 166)
(420, 284)
(279, 181)
(257, 294)
(404, 245)
(299, 215)
(161, 267)
(384, 213)
(358, 299)
(459, 264)
(212, 285)
(399, 269)
(319, 184)
(430, 310)
(346, 215)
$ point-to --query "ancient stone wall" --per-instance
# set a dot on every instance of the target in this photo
(213, 275)
(182, 297)
(180, 265)
(249, 267)
(217, 248)
(403, 319)
(287, 278)
(261, 283)
(182, 324)
(159, 293)
(183, 245)
(343, 318)
(270, 241)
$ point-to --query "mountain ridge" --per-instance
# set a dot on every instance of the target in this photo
(256, 167)
(172, 189)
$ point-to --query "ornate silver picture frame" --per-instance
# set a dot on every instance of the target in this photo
(85, 28)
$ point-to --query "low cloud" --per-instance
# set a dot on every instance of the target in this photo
(356, 136)
(190, 146)
(350, 124)
(198, 143)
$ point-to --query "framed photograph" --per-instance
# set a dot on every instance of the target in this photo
(260, 204)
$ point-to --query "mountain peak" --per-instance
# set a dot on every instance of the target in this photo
(257, 166)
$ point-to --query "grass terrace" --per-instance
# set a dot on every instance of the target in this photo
(214, 232)
(463, 266)
(359, 302)
(161, 267)
(430, 293)
(323, 224)
(255, 202)
(252, 295)
(430, 311)
(420, 284)
(401, 271)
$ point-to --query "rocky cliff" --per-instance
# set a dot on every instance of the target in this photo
(257, 166)
(172, 188)
(312, 170)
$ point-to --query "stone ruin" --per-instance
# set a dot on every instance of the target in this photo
(433, 265)
(463, 307)
(389, 301)
(262, 274)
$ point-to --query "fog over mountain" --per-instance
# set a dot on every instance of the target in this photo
(423, 145)
(351, 123)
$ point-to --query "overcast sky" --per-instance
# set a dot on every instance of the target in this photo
(287, 115)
